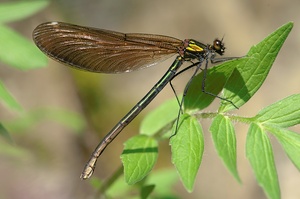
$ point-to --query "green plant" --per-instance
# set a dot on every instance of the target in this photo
(20, 53)
(239, 79)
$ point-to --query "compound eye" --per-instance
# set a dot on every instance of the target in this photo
(219, 46)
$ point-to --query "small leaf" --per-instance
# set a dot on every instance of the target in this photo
(19, 52)
(139, 157)
(31, 118)
(146, 191)
(70, 119)
(19, 10)
(284, 113)
(259, 153)
(187, 149)
(225, 142)
(158, 119)
(247, 78)
(164, 180)
(8, 99)
(290, 142)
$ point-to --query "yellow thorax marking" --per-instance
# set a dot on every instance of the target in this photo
(194, 47)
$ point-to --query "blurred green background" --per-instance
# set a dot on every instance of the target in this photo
(54, 155)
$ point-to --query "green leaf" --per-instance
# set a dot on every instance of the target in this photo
(67, 118)
(284, 113)
(187, 149)
(31, 118)
(217, 76)
(224, 139)
(19, 10)
(138, 157)
(260, 154)
(247, 78)
(19, 52)
(8, 99)
(290, 142)
(146, 191)
(164, 180)
(158, 119)
(241, 78)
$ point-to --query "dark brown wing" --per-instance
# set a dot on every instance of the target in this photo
(104, 51)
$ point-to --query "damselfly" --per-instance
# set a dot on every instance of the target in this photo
(106, 51)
